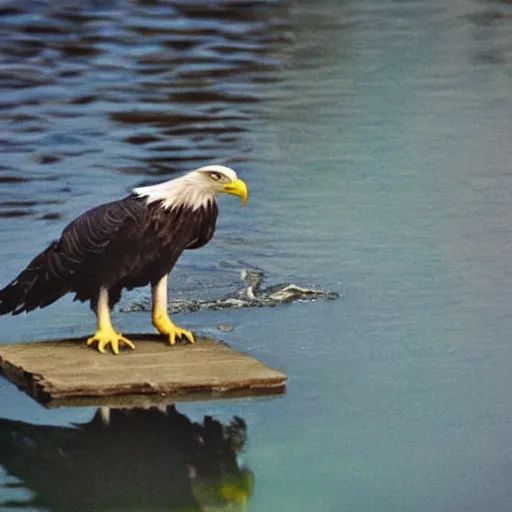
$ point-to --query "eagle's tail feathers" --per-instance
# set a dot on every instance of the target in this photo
(45, 280)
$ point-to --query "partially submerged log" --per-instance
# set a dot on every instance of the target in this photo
(67, 372)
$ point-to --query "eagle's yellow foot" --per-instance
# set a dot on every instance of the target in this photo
(106, 337)
(164, 325)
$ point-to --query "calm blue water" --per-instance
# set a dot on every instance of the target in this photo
(376, 140)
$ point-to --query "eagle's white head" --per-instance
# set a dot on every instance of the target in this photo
(196, 188)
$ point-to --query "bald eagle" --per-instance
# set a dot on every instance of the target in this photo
(127, 243)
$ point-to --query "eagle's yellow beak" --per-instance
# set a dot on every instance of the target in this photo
(237, 188)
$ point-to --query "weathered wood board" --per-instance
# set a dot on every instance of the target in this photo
(67, 372)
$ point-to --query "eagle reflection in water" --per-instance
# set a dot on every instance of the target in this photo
(129, 459)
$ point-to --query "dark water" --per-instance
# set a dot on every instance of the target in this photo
(376, 140)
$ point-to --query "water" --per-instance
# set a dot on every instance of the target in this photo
(375, 140)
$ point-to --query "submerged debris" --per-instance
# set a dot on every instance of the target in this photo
(225, 327)
(251, 295)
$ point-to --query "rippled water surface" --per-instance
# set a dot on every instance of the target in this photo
(376, 140)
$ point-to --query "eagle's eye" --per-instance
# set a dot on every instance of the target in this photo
(217, 176)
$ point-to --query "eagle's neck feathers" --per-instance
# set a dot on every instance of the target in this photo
(185, 191)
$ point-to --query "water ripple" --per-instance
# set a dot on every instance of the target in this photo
(142, 88)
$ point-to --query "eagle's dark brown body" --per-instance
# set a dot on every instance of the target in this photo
(123, 244)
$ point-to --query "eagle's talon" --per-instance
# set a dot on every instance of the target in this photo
(165, 326)
(189, 336)
(107, 337)
(177, 333)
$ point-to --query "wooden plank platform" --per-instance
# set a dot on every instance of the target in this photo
(68, 373)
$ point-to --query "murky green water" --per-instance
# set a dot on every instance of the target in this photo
(376, 140)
